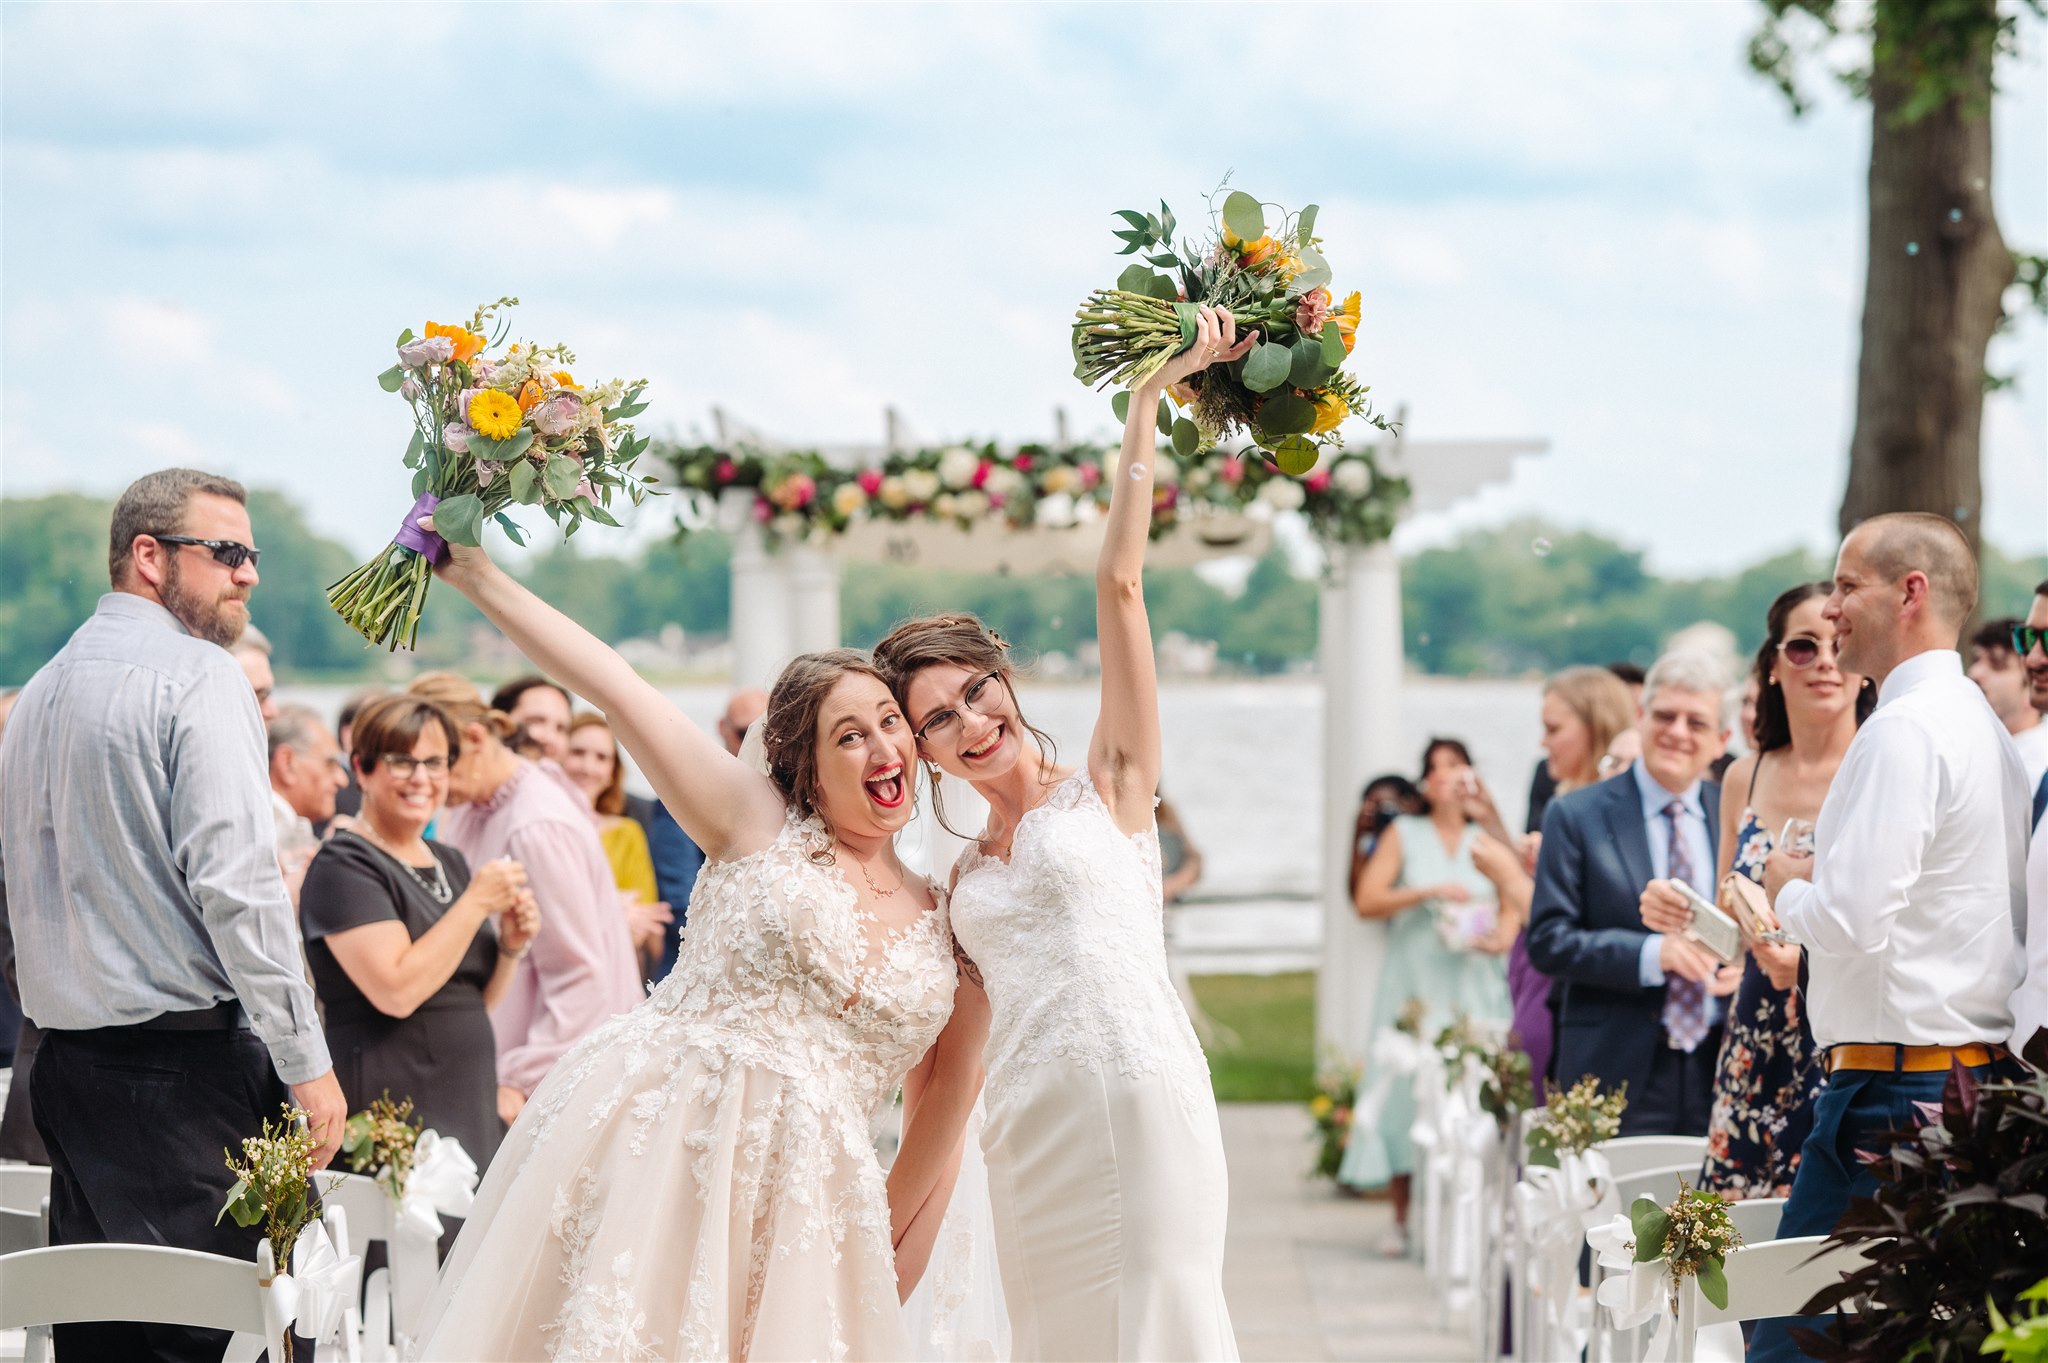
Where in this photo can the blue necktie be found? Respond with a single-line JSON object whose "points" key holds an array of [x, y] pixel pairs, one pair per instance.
{"points": [[1685, 1001]]}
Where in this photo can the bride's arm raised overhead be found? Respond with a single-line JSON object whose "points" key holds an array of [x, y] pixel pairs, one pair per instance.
{"points": [[1123, 756], [727, 808]]}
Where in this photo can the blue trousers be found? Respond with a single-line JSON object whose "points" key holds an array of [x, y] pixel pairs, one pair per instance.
{"points": [[1854, 1108]]}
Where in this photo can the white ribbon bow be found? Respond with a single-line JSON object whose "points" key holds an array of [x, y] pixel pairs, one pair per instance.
{"points": [[442, 1183], [1638, 1292], [1556, 1208], [1395, 1055], [320, 1287]]}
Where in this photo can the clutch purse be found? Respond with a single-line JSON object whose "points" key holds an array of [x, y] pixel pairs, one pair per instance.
{"points": [[1712, 929], [1744, 900]]}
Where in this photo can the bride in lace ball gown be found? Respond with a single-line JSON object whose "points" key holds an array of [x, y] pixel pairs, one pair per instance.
{"points": [[696, 1178], [1105, 1161]]}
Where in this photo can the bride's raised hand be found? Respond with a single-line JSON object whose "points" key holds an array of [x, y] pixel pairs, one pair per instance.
{"points": [[462, 563], [1216, 342]]}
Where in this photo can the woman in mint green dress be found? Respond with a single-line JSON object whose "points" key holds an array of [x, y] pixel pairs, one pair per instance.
{"points": [[1453, 895]]}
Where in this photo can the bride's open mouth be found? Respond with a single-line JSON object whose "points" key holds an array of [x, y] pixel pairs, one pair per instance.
{"points": [[986, 748], [886, 786]]}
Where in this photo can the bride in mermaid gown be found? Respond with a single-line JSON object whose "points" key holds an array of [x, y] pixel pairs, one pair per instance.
{"points": [[696, 1178], [1104, 1159]]}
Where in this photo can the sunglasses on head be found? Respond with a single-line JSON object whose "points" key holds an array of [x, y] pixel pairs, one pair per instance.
{"points": [[1803, 650], [2024, 639], [227, 553]]}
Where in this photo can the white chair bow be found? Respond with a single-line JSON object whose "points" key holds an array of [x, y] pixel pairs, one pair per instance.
{"points": [[442, 1183], [1555, 1210], [1637, 1293], [320, 1287]]}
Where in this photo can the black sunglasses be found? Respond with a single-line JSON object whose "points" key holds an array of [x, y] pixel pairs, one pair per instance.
{"points": [[2024, 639], [229, 554]]}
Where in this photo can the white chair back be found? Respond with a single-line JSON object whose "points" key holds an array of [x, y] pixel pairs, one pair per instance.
{"points": [[24, 1186], [1628, 1154], [22, 1230], [394, 1298], [69, 1284], [1756, 1219], [1775, 1278]]}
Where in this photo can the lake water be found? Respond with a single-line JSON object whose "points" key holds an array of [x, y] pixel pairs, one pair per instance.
{"points": [[1244, 759]]}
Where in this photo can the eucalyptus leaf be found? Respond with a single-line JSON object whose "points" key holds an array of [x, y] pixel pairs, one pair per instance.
{"points": [[1121, 405], [459, 520], [511, 529], [563, 474], [1542, 1156], [1305, 224], [1333, 344], [1651, 1226], [1308, 369], [404, 336], [1162, 287], [391, 378], [1187, 437], [1133, 242], [596, 512], [1295, 455], [1166, 219], [419, 482], [1136, 278], [1165, 261], [415, 449], [1244, 216], [490, 451], [625, 411], [1314, 275], [525, 480], [1133, 217], [1285, 414], [1714, 1283], [1165, 414], [1267, 367], [520, 443]]}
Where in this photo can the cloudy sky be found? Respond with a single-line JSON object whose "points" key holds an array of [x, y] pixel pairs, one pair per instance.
{"points": [[1586, 223]]}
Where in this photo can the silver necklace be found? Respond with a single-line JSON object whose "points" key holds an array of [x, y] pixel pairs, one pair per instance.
{"points": [[440, 890]]}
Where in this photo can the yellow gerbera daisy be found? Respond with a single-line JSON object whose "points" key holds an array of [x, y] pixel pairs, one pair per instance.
{"points": [[494, 414]]}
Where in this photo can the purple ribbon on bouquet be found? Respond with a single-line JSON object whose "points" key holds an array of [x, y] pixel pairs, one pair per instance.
{"points": [[424, 542]]}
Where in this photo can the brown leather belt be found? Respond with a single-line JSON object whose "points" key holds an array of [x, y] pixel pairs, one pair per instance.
{"points": [[1911, 1059]]}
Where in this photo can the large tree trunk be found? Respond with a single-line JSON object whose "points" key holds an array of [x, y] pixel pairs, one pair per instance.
{"points": [[1931, 298]]}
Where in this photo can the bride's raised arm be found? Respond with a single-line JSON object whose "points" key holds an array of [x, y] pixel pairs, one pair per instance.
{"points": [[725, 807], [1123, 756]]}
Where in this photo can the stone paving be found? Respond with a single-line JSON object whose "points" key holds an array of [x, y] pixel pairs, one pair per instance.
{"points": [[1300, 1271]]}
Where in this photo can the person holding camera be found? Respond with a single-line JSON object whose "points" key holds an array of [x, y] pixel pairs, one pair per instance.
{"points": [[1454, 896]]}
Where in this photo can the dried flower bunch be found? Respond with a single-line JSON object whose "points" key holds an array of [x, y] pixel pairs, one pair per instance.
{"points": [[272, 1184], [1409, 1020], [1692, 1236], [1575, 1121], [382, 1138]]}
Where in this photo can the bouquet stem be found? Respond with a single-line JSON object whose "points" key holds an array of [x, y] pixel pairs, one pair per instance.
{"points": [[383, 599]]}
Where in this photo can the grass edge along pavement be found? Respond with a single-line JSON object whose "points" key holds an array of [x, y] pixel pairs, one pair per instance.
{"points": [[1263, 1046]]}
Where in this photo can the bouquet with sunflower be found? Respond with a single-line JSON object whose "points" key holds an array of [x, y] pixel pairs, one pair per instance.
{"points": [[489, 432], [1290, 392]]}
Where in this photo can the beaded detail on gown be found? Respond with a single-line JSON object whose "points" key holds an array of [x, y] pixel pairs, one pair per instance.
{"points": [[696, 1178], [1769, 1072]]}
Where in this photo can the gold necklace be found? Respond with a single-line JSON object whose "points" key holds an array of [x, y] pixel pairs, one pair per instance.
{"points": [[880, 893]]}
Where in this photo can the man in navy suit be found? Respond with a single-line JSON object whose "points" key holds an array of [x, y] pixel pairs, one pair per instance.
{"points": [[1640, 1008]]}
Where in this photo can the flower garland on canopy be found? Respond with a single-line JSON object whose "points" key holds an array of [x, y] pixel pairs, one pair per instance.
{"points": [[1349, 498]]}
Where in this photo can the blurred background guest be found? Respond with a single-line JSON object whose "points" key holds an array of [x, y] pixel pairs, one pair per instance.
{"points": [[1585, 710], [1745, 713], [2001, 674], [18, 1036], [1384, 799], [395, 930], [741, 711], [539, 709], [251, 652], [1179, 859], [348, 799], [1640, 1008], [582, 968], [1769, 1071], [1456, 896], [592, 761], [306, 771]]}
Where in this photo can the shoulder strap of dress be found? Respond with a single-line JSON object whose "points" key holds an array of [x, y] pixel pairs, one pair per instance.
{"points": [[1749, 797]]}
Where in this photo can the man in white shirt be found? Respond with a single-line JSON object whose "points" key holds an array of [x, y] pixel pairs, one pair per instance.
{"points": [[1910, 908], [2001, 674], [307, 770], [2030, 1000]]}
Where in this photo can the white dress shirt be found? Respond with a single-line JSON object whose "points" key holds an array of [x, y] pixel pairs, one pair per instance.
{"points": [[1911, 921], [2030, 1000]]}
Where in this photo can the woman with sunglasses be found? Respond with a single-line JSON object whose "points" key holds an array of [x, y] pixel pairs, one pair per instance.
{"points": [[1769, 1070], [1105, 1161], [395, 926]]}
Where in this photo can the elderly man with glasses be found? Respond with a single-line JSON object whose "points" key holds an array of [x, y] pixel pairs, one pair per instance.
{"points": [[307, 771], [155, 943]]}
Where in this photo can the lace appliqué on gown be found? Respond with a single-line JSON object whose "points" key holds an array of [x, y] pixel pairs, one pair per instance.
{"points": [[1070, 936], [695, 1179]]}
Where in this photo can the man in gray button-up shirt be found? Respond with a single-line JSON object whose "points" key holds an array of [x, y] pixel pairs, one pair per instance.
{"points": [[154, 942]]}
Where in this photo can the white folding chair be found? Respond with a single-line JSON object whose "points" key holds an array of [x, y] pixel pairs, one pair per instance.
{"points": [[394, 1297], [71, 1284], [23, 1187], [1630, 1154], [1774, 1278], [1756, 1220], [1605, 1344], [22, 1230]]}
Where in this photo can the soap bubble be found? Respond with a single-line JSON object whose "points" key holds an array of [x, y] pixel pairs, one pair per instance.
{"points": [[1912, 248], [1422, 638], [1955, 215], [1540, 547], [1137, 472]]}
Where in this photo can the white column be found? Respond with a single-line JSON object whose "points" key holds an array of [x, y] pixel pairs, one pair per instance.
{"points": [[761, 641], [813, 577], [1361, 652]]}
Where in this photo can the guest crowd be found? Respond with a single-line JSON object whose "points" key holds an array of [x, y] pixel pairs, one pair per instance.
{"points": [[440, 896]]}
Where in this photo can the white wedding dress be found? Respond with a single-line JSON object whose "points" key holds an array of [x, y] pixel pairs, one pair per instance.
{"points": [[1105, 1160], [695, 1180]]}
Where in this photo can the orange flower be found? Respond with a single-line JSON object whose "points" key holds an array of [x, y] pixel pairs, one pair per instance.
{"points": [[1347, 320], [1253, 253], [561, 376], [468, 345], [529, 394]]}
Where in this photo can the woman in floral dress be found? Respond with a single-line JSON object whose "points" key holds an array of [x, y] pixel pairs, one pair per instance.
{"points": [[1770, 1071]]}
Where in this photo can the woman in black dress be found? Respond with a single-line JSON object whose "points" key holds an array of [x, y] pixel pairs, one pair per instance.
{"points": [[394, 928]]}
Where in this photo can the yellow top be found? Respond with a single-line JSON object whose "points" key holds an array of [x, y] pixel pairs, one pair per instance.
{"points": [[625, 847]]}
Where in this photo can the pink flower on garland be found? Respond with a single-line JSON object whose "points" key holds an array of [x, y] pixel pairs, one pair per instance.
{"points": [[1022, 463], [981, 473], [1319, 481], [870, 481], [726, 471], [1091, 474]]}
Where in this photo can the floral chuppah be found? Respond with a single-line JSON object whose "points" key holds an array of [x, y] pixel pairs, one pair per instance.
{"points": [[1350, 497]]}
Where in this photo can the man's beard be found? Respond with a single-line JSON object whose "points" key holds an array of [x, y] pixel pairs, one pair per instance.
{"points": [[218, 621]]}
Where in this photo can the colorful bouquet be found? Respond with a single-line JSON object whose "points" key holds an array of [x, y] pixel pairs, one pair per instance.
{"points": [[489, 432], [1331, 1108], [1290, 392]]}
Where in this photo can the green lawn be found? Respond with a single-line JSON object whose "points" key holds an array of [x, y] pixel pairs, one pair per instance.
{"points": [[1271, 1056]]}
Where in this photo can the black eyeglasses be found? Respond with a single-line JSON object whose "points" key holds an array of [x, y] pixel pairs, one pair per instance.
{"points": [[2024, 639], [941, 724], [403, 765], [229, 554]]}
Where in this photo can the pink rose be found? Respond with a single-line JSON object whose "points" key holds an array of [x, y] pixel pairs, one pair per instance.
{"points": [[558, 415], [764, 510], [1233, 471], [1022, 463], [462, 402], [981, 473], [726, 470], [456, 438], [487, 472], [870, 481], [410, 390], [1091, 474], [1317, 481], [425, 351]]}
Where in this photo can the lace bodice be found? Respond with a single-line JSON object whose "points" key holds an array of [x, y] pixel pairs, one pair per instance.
{"points": [[1069, 935]]}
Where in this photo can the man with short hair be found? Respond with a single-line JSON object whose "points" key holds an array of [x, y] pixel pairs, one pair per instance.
{"points": [[541, 710], [1909, 907], [742, 712], [2030, 1000], [306, 771], [1640, 1008], [251, 652], [156, 947], [2001, 675]]}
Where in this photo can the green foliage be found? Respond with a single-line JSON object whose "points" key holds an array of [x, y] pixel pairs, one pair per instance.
{"points": [[2024, 1337], [1263, 1050], [1940, 49]]}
